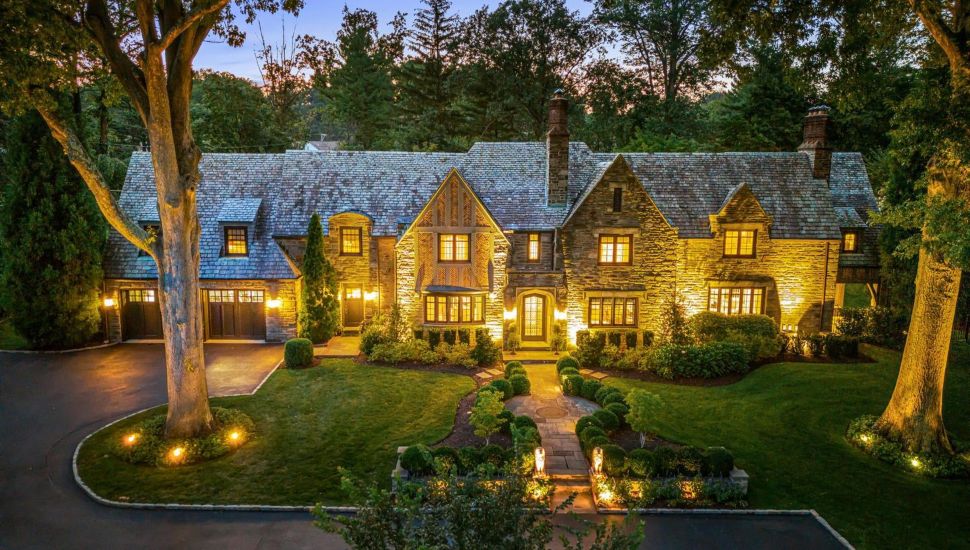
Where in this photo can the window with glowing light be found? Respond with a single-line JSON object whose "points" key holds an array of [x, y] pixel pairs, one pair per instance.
{"points": [[736, 300], [616, 249], [237, 243], [739, 243], [850, 241], [454, 308], [251, 296], [534, 247], [612, 312], [453, 247], [350, 241], [141, 295]]}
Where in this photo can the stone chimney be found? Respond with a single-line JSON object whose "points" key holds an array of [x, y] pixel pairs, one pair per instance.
{"points": [[815, 143], [557, 151]]}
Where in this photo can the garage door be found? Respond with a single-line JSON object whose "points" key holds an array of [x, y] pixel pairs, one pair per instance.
{"points": [[140, 315], [236, 314]]}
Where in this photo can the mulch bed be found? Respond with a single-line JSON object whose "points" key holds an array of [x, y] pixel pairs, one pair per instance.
{"points": [[463, 433]]}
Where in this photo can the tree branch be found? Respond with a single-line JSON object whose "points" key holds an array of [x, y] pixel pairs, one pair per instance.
{"points": [[941, 33], [86, 167], [186, 22], [98, 23]]}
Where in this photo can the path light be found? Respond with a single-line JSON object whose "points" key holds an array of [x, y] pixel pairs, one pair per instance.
{"points": [[605, 495], [597, 461], [234, 436], [540, 462], [864, 438], [176, 455], [274, 303], [131, 439], [915, 463]]}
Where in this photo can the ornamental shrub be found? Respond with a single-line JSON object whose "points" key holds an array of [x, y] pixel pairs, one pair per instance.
{"points": [[434, 337], [601, 393], [841, 347], [665, 461], [559, 340], [640, 463], [710, 326], [458, 354], [503, 386], [469, 458], [464, 336], [445, 459], [371, 335], [721, 491], [619, 409], [589, 349], [417, 460], [512, 365], [607, 419], [648, 338], [493, 454], [517, 370], [689, 461], [612, 397], [520, 384], [852, 321], [523, 421], [565, 362], [591, 432], [298, 353], [699, 361], [816, 344], [485, 352], [417, 351], [587, 421], [614, 338], [614, 460], [568, 371], [319, 314], [631, 339], [609, 357], [590, 387], [597, 441], [450, 336], [631, 358], [573, 384], [717, 461], [508, 418]]}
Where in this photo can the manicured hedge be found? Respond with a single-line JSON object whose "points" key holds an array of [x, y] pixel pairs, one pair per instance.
{"points": [[590, 387], [699, 361], [619, 409], [841, 347], [607, 419], [298, 353], [573, 384], [568, 371]]}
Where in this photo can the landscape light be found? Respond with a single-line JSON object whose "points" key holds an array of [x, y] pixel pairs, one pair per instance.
{"points": [[606, 495], [130, 439], [176, 454], [915, 462], [234, 435]]}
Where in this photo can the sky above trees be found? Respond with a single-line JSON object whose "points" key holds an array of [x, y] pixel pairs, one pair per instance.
{"points": [[320, 18]]}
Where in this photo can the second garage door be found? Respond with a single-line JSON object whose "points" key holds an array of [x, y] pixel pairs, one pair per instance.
{"points": [[236, 314]]}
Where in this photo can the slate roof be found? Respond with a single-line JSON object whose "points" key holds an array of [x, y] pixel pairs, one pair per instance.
{"points": [[278, 193], [850, 189]]}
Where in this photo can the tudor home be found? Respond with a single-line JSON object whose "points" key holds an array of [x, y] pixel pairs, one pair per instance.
{"points": [[519, 235]]}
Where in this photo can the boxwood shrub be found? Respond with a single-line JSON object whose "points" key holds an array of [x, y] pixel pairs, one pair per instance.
{"points": [[601, 393], [591, 432], [597, 441], [665, 461], [640, 463], [509, 417], [619, 409], [445, 459], [503, 386], [512, 365], [590, 387], [573, 384], [417, 460], [520, 384], [586, 421], [689, 461], [568, 371], [614, 460], [566, 361], [609, 420], [524, 421], [298, 353], [612, 397], [717, 461], [841, 347]]}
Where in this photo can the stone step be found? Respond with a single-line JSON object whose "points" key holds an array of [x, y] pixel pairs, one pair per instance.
{"points": [[568, 476]]}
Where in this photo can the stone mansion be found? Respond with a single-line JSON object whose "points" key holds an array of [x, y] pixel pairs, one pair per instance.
{"points": [[530, 232]]}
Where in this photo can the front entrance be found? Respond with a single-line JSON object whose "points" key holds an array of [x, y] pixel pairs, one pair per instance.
{"points": [[353, 302], [534, 318], [141, 317], [236, 314]]}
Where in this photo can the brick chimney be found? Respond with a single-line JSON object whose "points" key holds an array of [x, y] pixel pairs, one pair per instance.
{"points": [[557, 151], [815, 143]]}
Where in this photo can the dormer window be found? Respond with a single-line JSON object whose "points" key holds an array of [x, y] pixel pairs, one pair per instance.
{"points": [[850, 242], [237, 242], [740, 243], [453, 248], [350, 241], [617, 199]]}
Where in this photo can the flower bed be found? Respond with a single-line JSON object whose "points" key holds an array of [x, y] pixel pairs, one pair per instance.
{"points": [[862, 435], [145, 443]]}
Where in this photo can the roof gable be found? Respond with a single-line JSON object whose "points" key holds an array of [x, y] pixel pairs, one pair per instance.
{"points": [[454, 177], [618, 163], [740, 205]]}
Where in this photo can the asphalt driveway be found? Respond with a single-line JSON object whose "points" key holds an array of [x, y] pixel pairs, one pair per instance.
{"points": [[48, 403]]}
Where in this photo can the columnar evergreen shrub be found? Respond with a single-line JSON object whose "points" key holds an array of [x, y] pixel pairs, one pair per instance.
{"points": [[319, 309], [450, 337], [434, 337], [51, 238], [485, 352], [298, 353], [631, 339], [674, 327]]}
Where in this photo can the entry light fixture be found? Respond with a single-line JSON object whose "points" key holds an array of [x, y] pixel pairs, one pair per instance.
{"points": [[371, 296], [274, 303], [109, 302]]}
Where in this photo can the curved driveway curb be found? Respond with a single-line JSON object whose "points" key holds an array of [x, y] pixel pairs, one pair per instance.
{"points": [[57, 351]]}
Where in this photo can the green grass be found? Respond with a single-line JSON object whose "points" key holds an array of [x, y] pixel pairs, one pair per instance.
{"points": [[309, 423], [785, 425], [857, 295], [9, 339]]}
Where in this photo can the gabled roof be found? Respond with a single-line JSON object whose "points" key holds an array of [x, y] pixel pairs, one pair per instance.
{"points": [[848, 217], [851, 191], [602, 167], [239, 209], [454, 175]]}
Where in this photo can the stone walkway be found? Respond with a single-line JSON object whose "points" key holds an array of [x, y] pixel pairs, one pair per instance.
{"points": [[556, 415]]}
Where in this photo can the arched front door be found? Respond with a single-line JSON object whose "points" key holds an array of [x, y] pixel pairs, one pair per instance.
{"points": [[534, 318]]}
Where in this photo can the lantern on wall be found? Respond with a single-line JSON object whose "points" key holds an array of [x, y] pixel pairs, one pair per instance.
{"points": [[109, 302], [274, 303]]}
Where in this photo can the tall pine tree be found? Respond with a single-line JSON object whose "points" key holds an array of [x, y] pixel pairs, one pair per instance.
{"points": [[51, 239], [319, 310]]}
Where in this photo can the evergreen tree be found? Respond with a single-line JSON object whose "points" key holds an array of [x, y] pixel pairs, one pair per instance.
{"points": [[426, 92], [319, 310], [51, 239]]}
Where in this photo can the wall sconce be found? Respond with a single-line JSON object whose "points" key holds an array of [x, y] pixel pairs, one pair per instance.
{"points": [[540, 462], [559, 315], [509, 315], [597, 461], [274, 303], [371, 296], [109, 302]]}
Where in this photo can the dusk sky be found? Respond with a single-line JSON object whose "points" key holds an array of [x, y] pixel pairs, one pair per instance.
{"points": [[320, 18]]}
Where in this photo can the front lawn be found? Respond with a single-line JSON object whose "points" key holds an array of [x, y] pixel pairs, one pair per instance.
{"points": [[309, 423], [785, 424]]}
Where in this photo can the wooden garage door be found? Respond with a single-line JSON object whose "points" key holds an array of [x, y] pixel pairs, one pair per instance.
{"points": [[236, 314], [140, 315]]}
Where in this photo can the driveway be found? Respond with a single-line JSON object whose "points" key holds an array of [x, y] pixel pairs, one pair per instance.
{"points": [[48, 403]]}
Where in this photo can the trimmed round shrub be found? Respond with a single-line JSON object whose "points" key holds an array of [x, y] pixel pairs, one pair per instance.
{"points": [[640, 463], [587, 421], [298, 353], [619, 409], [609, 420], [614, 460], [509, 417], [445, 459], [517, 370], [717, 461], [573, 385], [512, 365], [597, 441], [417, 460], [590, 387], [603, 391], [525, 422], [612, 397], [493, 454], [503, 386], [520, 384], [568, 371], [689, 461], [566, 361], [590, 432], [665, 461]]}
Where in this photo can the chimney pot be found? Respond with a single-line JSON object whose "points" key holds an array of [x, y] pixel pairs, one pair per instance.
{"points": [[815, 141]]}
